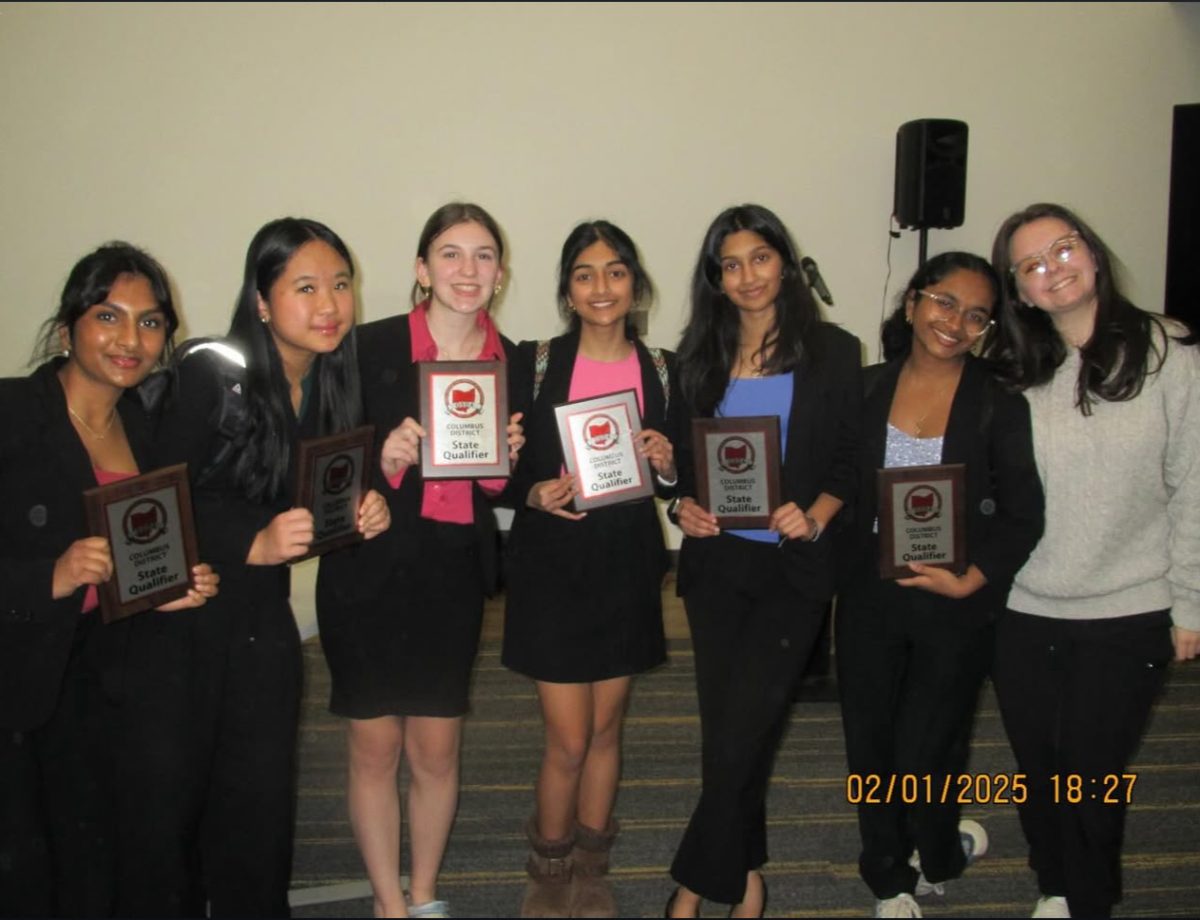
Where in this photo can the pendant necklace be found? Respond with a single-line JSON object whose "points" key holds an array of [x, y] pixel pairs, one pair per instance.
{"points": [[112, 417]]}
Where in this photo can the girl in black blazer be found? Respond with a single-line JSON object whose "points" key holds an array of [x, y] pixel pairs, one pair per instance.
{"points": [[400, 617], [74, 424], [219, 743], [912, 653], [755, 600], [584, 605]]}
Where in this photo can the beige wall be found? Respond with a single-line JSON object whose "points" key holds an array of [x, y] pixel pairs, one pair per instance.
{"points": [[184, 127]]}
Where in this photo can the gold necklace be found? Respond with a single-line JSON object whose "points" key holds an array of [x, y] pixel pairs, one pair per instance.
{"points": [[754, 369], [112, 417], [932, 402]]}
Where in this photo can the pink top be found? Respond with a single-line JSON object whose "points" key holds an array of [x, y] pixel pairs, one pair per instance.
{"points": [[449, 500], [91, 600], [598, 378]]}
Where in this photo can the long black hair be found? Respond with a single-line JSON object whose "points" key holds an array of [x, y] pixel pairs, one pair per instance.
{"points": [[261, 466], [1028, 349], [90, 282], [579, 239], [709, 346], [896, 333]]}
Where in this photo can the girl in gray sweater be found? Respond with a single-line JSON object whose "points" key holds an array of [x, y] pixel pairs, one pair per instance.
{"points": [[1112, 591]]}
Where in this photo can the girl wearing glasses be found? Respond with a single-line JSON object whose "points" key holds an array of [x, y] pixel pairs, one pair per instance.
{"points": [[912, 653], [1112, 592], [755, 599]]}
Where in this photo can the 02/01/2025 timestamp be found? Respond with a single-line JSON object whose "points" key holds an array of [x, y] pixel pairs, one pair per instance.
{"points": [[1109, 789]]}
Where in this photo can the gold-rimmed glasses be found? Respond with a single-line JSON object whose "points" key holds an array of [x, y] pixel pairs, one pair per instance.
{"points": [[974, 321], [1060, 251]]}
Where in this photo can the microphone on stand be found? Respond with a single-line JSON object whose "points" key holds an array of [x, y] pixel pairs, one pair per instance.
{"points": [[812, 275]]}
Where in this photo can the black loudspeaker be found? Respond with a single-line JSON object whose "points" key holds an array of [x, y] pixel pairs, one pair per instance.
{"points": [[1183, 234], [931, 173]]}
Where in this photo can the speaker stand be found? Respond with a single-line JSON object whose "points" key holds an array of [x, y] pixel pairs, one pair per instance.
{"points": [[922, 247]]}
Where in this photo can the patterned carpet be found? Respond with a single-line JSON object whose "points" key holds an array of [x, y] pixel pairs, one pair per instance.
{"points": [[813, 836]]}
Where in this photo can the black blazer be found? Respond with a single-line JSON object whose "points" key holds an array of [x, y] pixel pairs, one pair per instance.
{"points": [[989, 431], [390, 393], [542, 457], [44, 469], [822, 444]]}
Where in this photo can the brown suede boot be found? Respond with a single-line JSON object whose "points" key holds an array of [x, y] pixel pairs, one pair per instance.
{"points": [[548, 892], [591, 895]]}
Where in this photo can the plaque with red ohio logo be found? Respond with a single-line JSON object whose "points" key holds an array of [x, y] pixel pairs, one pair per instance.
{"points": [[737, 468], [464, 411], [148, 523], [334, 475], [922, 518], [599, 450]]}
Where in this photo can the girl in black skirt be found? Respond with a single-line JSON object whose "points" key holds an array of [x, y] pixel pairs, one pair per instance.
{"points": [[584, 610], [400, 617]]}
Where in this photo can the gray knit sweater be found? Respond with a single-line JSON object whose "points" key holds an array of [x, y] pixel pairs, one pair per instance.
{"points": [[1122, 497]]}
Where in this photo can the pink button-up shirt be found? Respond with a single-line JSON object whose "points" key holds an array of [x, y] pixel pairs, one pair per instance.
{"points": [[449, 500]]}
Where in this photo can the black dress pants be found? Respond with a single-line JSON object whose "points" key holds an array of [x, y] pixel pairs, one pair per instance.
{"points": [[752, 633], [208, 717], [1075, 696], [909, 679], [56, 823]]}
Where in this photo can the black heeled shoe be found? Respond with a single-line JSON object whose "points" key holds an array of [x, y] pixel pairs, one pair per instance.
{"points": [[763, 910], [671, 904]]}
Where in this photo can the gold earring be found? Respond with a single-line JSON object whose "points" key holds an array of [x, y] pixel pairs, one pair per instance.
{"points": [[499, 288]]}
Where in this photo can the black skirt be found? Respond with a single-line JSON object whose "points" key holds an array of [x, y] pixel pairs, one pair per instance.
{"points": [[409, 649], [584, 598]]}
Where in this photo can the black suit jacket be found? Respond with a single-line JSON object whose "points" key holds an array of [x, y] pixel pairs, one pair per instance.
{"points": [[542, 456], [822, 443], [44, 470], [988, 431], [390, 394]]}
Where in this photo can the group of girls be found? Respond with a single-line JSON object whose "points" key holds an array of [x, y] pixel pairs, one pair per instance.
{"points": [[148, 766]]}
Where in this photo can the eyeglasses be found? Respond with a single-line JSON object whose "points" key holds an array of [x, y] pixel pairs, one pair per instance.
{"points": [[1060, 251], [975, 321]]}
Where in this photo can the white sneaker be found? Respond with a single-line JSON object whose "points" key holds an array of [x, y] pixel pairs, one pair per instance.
{"points": [[1052, 906], [974, 840], [429, 909], [902, 905]]}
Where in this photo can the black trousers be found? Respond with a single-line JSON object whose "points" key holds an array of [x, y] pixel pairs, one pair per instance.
{"points": [[56, 822], [207, 722], [909, 680], [752, 633], [1075, 696]]}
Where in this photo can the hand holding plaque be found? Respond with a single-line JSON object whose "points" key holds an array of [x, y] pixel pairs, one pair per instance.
{"points": [[600, 451], [922, 518], [464, 411], [737, 469], [147, 521], [334, 474]]}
